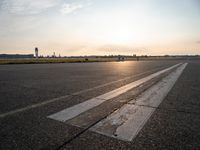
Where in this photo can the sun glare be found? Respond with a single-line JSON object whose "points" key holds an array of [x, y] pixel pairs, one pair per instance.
{"points": [[118, 31]]}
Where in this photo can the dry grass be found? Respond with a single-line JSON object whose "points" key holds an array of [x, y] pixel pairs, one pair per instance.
{"points": [[53, 60]]}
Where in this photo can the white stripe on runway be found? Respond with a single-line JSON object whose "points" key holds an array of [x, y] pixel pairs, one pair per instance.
{"points": [[126, 122], [76, 110]]}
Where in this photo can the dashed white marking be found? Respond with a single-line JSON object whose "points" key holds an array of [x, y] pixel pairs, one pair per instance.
{"points": [[76, 110], [126, 122]]}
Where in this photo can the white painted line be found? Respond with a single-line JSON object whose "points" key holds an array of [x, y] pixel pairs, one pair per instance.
{"points": [[150, 97], [126, 122], [71, 112], [12, 112], [76, 110]]}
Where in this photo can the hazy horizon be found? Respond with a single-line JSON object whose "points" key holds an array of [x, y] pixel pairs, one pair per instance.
{"points": [[96, 27]]}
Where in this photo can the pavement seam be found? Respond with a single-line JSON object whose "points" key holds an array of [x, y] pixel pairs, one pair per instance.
{"points": [[104, 117], [80, 133], [171, 109]]}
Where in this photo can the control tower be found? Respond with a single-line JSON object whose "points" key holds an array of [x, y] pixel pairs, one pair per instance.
{"points": [[36, 52]]}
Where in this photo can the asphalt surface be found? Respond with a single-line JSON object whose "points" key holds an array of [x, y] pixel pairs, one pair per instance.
{"points": [[174, 125]]}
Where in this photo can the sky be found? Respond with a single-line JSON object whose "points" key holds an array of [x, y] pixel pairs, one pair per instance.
{"points": [[100, 27]]}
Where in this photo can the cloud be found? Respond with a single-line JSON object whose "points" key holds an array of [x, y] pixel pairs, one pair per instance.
{"points": [[198, 42], [27, 7], [70, 8]]}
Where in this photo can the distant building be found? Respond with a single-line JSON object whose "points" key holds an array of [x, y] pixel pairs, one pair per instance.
{"points": [[13, 56], [54, 55]]}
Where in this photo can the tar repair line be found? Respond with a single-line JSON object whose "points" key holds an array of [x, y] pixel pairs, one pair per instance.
{"points": [[126, 122], [76, 110], [76, 93]]}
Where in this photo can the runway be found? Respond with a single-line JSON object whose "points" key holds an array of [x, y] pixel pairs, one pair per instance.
{"points": [[108, 105]]}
